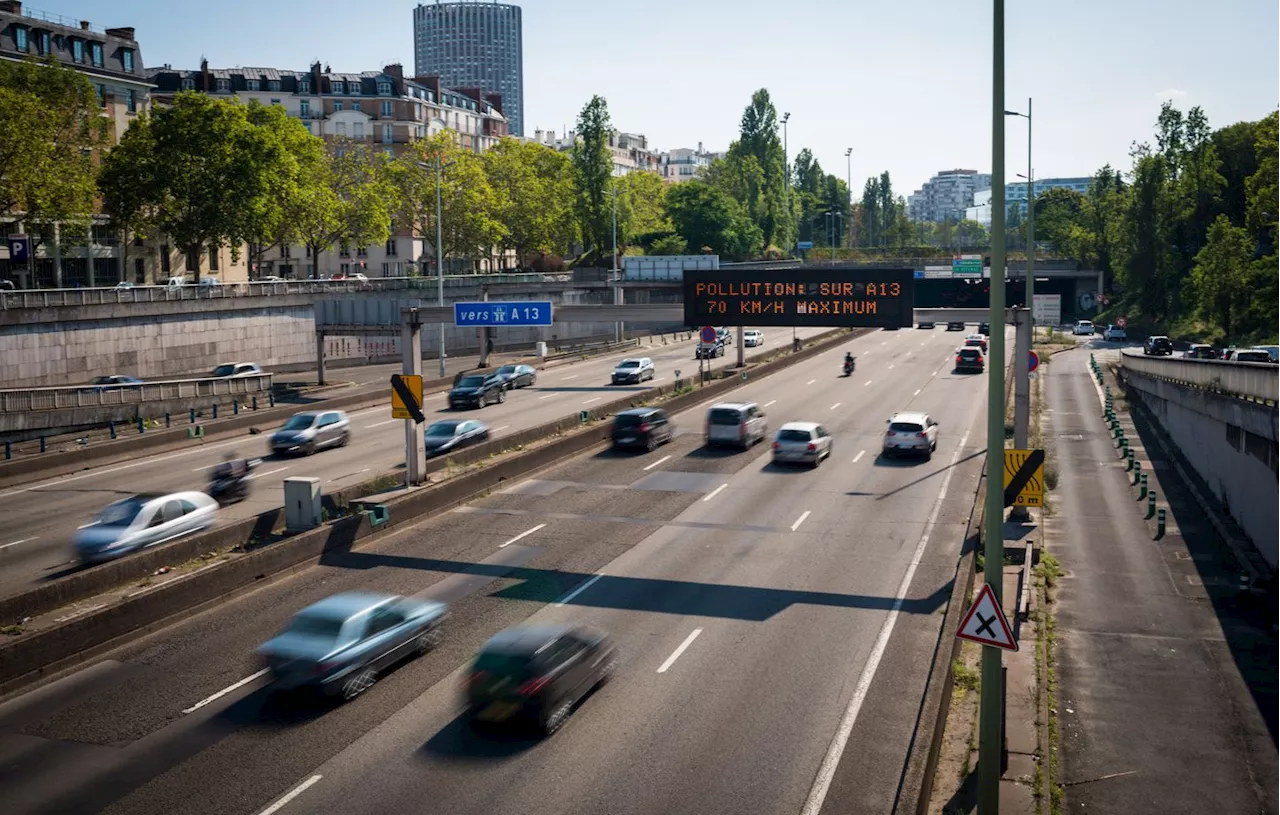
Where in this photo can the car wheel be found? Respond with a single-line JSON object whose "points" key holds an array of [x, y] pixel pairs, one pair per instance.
{"points": [[428, 640], [502, 397], [650, 444], [358, 683], [346, 439], [533, 380], [606, 673], [555, 720], [309, 449]]}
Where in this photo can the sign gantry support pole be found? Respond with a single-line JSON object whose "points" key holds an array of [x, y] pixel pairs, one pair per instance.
{"points": [[415, 444], [1023, 326]]}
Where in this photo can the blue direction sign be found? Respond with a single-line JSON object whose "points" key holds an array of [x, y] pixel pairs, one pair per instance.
{"points": [[19, 247], [804, 245], [493, 314]]}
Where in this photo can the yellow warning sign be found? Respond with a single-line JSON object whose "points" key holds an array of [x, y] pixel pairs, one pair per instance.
{"points": [[406, 397], [1024, 478]]}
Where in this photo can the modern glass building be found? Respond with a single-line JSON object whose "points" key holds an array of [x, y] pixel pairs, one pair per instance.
{"points": [[473, 44]]}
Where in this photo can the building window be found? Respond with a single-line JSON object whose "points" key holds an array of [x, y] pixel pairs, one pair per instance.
{"points": [[304, 86], [275, 101], [340, 128], [362, 251], [304, 108], [339, 87], [137, 240], [188, 84], [387, 107], [77, 50], [102, 93], [132, 101], [20, 37], [126, 59], [391, 249], [355, 105], [44, 42], [224, 85], [357, 130], [193, 261], [345, 268], [251, 84], [213, 258], [386, 270], [286, 253], [273, 84], [340, 152], [164, 258], [139, 271], [344, 251], [387, 134], [384, 88], [337, 106], [95, 53]]}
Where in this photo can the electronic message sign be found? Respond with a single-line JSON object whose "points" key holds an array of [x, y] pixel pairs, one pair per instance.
{"points": [[829, 297]]}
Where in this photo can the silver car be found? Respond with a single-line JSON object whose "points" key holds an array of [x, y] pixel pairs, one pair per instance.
{"points": [[143, 520], [738, 423], [448, 435], [311, 431], [235, 370], [912, 433], [801, 443], [340, 644]]}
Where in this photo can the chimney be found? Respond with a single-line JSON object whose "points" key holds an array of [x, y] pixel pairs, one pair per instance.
{"points": [[699, 148], [494, 99], [123, 33], [84, 25], [11, 6], [474, 93], [394, 69], [432, 83]]}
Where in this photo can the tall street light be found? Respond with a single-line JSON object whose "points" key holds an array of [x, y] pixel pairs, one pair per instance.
{"points": [[1021, 362], [786, 178], [1031, 209], [848, 157], [439, 168]]}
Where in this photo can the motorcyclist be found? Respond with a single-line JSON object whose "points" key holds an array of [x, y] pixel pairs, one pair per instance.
{"points": [[232, 468], [848, 360]]}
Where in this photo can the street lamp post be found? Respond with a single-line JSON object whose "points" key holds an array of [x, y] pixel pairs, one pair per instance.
{"points": [[1025, 334], [613, 266], [440, 260], [848, 157], [786, 176]]}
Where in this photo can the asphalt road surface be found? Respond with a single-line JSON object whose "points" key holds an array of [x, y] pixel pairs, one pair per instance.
{"points": [[41, 517], [775, 627]]}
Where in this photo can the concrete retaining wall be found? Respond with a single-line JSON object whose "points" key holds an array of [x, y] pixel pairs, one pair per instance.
{"points": [[1230, 443]]}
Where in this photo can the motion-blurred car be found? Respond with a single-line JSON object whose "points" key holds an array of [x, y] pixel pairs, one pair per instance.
{"points": [[1083, 328], [1272, 351], [970, 359], [1114, 333], [955, 325], [1201, 351], [340, 644], [801, 443], [124, 284], [926, 324], [311, 431], [724, 336], [741, 424], [984, 329], [476, 391], [113, 381], [516, 376], [448, 435], [1252, 355], [537, 674], [642, 427], [976, 341], [143, 520], [1158, 347], [633, 371], [234, 370], [752, 338], [911, 433], [708, 350]]}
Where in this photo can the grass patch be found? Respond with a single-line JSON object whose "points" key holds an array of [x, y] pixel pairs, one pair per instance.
{"points": [[11, 630], [965, 677], [1049, 570]]}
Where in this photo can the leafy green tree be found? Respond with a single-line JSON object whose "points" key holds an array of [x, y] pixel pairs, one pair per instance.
{"points": [[272, 224], [972, 233], [1221, 273], [1146, 238], [641, 206], [765, 200], [1058, 211], [707, 218], [1260, 190], [592, 170], [872, 218], [533, 197], [1234, 146], [197, 171], [669, 245], [346, 198]]}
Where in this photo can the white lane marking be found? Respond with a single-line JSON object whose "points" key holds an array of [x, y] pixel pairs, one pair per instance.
{"points": [[770, 402], [15, 543], [289, 796], [885, 342], [714, 492], [861, 453], [659, 379], [917, 393], [935, 373], [650, 467], [868, 382], [822, 783], [380, 424], [890, 365], [496, 429], [268, 472], [593, 399], [79, 613], [215, 697], [567, 378], [548, 396], [799, 520], [811, 381], [679, 650], [836, 405], [523, 534], [578, 590]]}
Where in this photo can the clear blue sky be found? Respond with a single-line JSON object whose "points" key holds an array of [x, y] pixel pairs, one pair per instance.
{"points": [[906, 85]]}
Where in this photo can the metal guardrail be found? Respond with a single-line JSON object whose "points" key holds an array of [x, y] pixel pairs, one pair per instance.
{"points": [[1258, 381], [32, 399]]}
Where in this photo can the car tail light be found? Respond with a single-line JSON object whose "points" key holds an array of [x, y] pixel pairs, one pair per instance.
{"points": [[533, 686], [476, 678], [922, 435], [811, 447], [644, 427], [959, 359]]}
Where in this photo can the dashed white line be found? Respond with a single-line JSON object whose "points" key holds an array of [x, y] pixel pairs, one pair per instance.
{"points": [[861, 453], [935, 373], [567, 378], [917, 393], [679, 650], [504, 427], [593, 399], [58, 482], [799, 520], [656, 463], [885, 342], [215, 697], [714, 492], [15, 543], [548, 396], [836, 405], [523, 534], [268, 472], [868, 382], [770, 402], [827, 770], [891, 365], [811, 381], [289, 796], [380, 424], [79, 613], [578, 590]]}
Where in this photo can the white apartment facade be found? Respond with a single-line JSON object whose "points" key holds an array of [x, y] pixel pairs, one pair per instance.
{"points": [[946, 196]]}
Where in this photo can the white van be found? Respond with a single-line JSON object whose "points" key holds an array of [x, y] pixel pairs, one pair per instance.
{"points": [[176, 282], [738, 423]]}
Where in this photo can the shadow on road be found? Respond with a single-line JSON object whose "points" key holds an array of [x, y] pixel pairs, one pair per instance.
{"points": [[463, 740]]}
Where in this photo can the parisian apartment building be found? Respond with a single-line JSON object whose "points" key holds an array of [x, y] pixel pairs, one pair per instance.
{"points": [[947, 195], [630, 151], [684, 163]]}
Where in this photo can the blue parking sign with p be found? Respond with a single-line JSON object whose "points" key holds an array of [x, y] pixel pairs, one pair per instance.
{"points": [[19, 247]]}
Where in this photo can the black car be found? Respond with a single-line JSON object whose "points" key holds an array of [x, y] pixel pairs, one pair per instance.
{"points": [[537, 674], [925, 324], [476, 391], [984, 329], [955, 325], [448, 435], [516, 376], [970, 359], [1158, 347], [642, 427]]}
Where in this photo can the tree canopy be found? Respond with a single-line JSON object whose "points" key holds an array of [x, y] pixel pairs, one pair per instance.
{"points": [[592, 170]]}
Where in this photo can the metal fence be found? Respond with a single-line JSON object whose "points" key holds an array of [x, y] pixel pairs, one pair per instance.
{"points": [[1248, 380], [88, 396]]}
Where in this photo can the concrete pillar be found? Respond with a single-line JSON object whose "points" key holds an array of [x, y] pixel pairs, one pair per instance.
{"points": [[57, 255], [320, 357], [414, 441]]}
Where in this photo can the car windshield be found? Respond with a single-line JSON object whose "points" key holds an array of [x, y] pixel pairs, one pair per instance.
{"points": [[629, 363], [471, 382], [300, 421], [725, 416], [224, 370], [793, 435], [507, 369], [628, 420], [969, 353], [121, 513], [906, 427], [443, 428], [315, 625], [101, 380], [516, 666]]}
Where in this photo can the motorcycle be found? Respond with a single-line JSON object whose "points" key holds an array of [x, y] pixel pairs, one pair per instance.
{"points": [[226, 488], [849, 365]]}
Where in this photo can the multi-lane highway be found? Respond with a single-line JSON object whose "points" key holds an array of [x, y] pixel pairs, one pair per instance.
{"points": [[41, 517], [775, 628]]}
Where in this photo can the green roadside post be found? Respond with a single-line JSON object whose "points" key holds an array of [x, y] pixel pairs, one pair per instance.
{"points": [[1143, 493], [991, 704], [1159, 523], [1151, 504], [1137, 468]]}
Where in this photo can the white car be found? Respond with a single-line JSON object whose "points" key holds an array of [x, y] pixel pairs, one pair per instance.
{"points": [[234, 370], [141, 521], [737, 423], [124, 284], [753, 338], [911, 433], [801, 442], [1083, 328], [1114, 333]]}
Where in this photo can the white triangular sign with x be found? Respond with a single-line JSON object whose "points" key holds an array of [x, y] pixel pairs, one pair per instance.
{"points": [[985, 623]]}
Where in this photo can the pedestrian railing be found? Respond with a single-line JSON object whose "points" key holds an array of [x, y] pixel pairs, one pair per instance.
{"points": [[1248, 380], [88, 396]]}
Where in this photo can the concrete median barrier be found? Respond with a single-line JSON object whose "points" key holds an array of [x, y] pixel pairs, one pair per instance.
{"points": [[27, 656]]}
